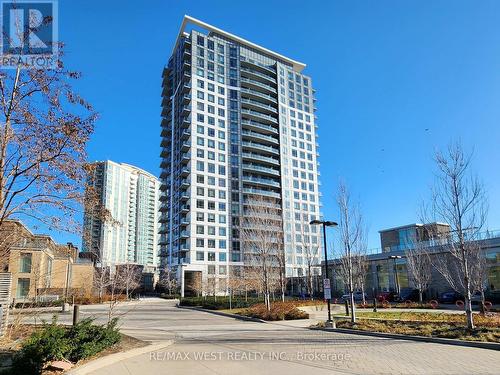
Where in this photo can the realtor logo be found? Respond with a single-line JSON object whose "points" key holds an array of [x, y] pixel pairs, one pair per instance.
{"points": [[29, 34]]}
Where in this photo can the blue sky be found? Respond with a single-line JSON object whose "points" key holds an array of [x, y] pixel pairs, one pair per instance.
{"points": [[395, 80]]}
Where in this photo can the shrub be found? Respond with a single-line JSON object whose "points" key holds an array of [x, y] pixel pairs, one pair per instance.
{"points": [[279, 311], [55, 342], [88, 339], [222, 303], [47, 344], [169, 296]]}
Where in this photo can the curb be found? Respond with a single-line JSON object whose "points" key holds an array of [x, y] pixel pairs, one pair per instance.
{"points": [[436, 340], [111, 359], [228, 315]]}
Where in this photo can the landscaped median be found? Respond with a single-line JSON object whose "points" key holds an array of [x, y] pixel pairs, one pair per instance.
{"points": [[253, 308], [425, 324]]}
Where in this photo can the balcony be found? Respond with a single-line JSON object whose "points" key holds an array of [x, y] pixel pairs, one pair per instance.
{"points": [[184, 234], [185, 157], [185, 135], [261, 181], [186, 87], [186, 98], [255, 104], [257, 136], [257, 94], [184, 196], [185, 172], [184, 208], [267, 193], [258, 76], [184, 221], [259, 86], [260, 169], [263, 159], [185, 146], [165, 151], [260, 147], [254, 125], [186, 110], [186, 122], [185, 183], [257, 65], [260, 116]]}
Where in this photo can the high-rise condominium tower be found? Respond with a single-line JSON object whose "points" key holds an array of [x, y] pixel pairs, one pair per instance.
{"points": [[131, 195], [238, 127]]}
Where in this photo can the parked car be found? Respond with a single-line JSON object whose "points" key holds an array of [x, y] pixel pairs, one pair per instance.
{"points": [[387, 296], [450, 297], [408, 294], [358, 297]]}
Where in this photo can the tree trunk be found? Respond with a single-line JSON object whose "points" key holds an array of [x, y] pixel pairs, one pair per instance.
{"points": [[420, 297]]}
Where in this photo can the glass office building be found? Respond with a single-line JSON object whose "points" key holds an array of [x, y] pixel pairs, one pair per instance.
{"points": [[237, 123], [132, 197]]}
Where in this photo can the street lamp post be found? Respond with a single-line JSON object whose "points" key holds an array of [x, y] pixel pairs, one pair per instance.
{"points": [[394, 257], [326, 224]]}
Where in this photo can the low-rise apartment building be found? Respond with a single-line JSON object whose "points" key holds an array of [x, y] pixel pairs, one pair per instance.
{"points": [[40, 267]]}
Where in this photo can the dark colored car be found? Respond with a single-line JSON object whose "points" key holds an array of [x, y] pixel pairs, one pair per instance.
{"points": [[387, 296], [408, 294], [450, 297]]}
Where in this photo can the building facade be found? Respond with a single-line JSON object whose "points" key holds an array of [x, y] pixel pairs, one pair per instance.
{"points": [[387, 269], [131, 195], [238, 125], [41, 269]]}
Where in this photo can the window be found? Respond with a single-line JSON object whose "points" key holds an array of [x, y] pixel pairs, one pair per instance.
{"points": [[200, 229], [222, 257], [222, 270], [200, 255], [23, 287], [200, 40], [222, 244], [25, 263], [200, 242], [211, 269]]}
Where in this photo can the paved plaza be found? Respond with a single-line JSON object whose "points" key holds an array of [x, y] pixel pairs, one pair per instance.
{"points": [[206, 343]]}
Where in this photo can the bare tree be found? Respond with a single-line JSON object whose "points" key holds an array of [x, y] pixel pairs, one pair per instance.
{"points": [[129, 277], [261, 241], [351, 242], [168, 281], [44, 129], [419, 267], [360, 270], [310, 253], [458, 198]]}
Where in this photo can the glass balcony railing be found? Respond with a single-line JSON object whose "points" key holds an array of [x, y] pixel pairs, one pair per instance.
{"points": [[258, 146], [258, 104], [259, 115], [268, 193], [253, 72], [259, 94], [266, 159], [260, 126], [251, 62], [266, 138], [261, 181], [259, 168], [249, 81]]}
